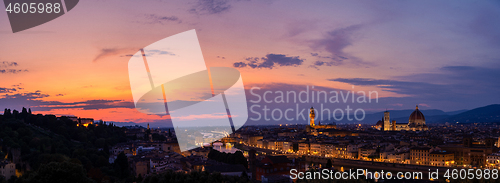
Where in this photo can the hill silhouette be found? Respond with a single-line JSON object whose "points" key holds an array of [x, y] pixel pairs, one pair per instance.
{"points": [[490, 113]]}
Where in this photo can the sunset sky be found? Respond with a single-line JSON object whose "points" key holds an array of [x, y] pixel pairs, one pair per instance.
{"points": [[438, 54]]}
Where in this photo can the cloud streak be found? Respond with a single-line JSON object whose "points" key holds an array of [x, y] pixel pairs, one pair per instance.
{"points": [[9, 70], [109, 52], [35, 101], [270, 61], [7, 90], [210, 7], [12, 71], [410, 88], [453, 85], [157, 19], [8, 64]]}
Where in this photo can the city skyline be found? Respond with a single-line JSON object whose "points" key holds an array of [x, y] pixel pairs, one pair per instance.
{"points": [[435, 54]]}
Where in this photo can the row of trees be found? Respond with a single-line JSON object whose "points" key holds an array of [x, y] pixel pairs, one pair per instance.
{"points": [[229, 158], [199, 177], [7, 113], [38, 140]]}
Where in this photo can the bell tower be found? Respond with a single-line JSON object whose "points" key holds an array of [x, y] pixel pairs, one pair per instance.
{"points": [[311, 116], [387, 121]]}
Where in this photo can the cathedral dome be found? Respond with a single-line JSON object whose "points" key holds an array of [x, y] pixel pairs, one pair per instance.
{"points": [[416, 118]]}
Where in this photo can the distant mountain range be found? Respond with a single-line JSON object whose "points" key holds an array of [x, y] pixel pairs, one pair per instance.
{"points": [[490, 113]]}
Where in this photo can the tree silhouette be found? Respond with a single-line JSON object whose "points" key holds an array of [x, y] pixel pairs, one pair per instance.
{"points": [[179, 177], [24, 113], [139, 178], [229, 158], [15, 113], [42, 139], [63, 172], [328, 163], [7, 114], [121, 165]]}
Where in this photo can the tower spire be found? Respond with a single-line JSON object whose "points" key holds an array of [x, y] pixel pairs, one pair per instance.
{"points": [[312, 116]]}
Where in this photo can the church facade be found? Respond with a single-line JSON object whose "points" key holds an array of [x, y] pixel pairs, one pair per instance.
{"points": [[416, 122]]}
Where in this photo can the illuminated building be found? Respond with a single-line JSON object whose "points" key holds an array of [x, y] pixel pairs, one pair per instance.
{"points": [[303, 148], [442, 158], [493, 159], [470, 153], [7, 169], [420, 155], [85, 122], [416, 122], [312, 127], [315, 148]]}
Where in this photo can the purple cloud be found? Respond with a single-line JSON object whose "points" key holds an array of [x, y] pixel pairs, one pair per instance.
{"points": [[335, 42], [270, 61], [33, 100], [211, 7]]}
